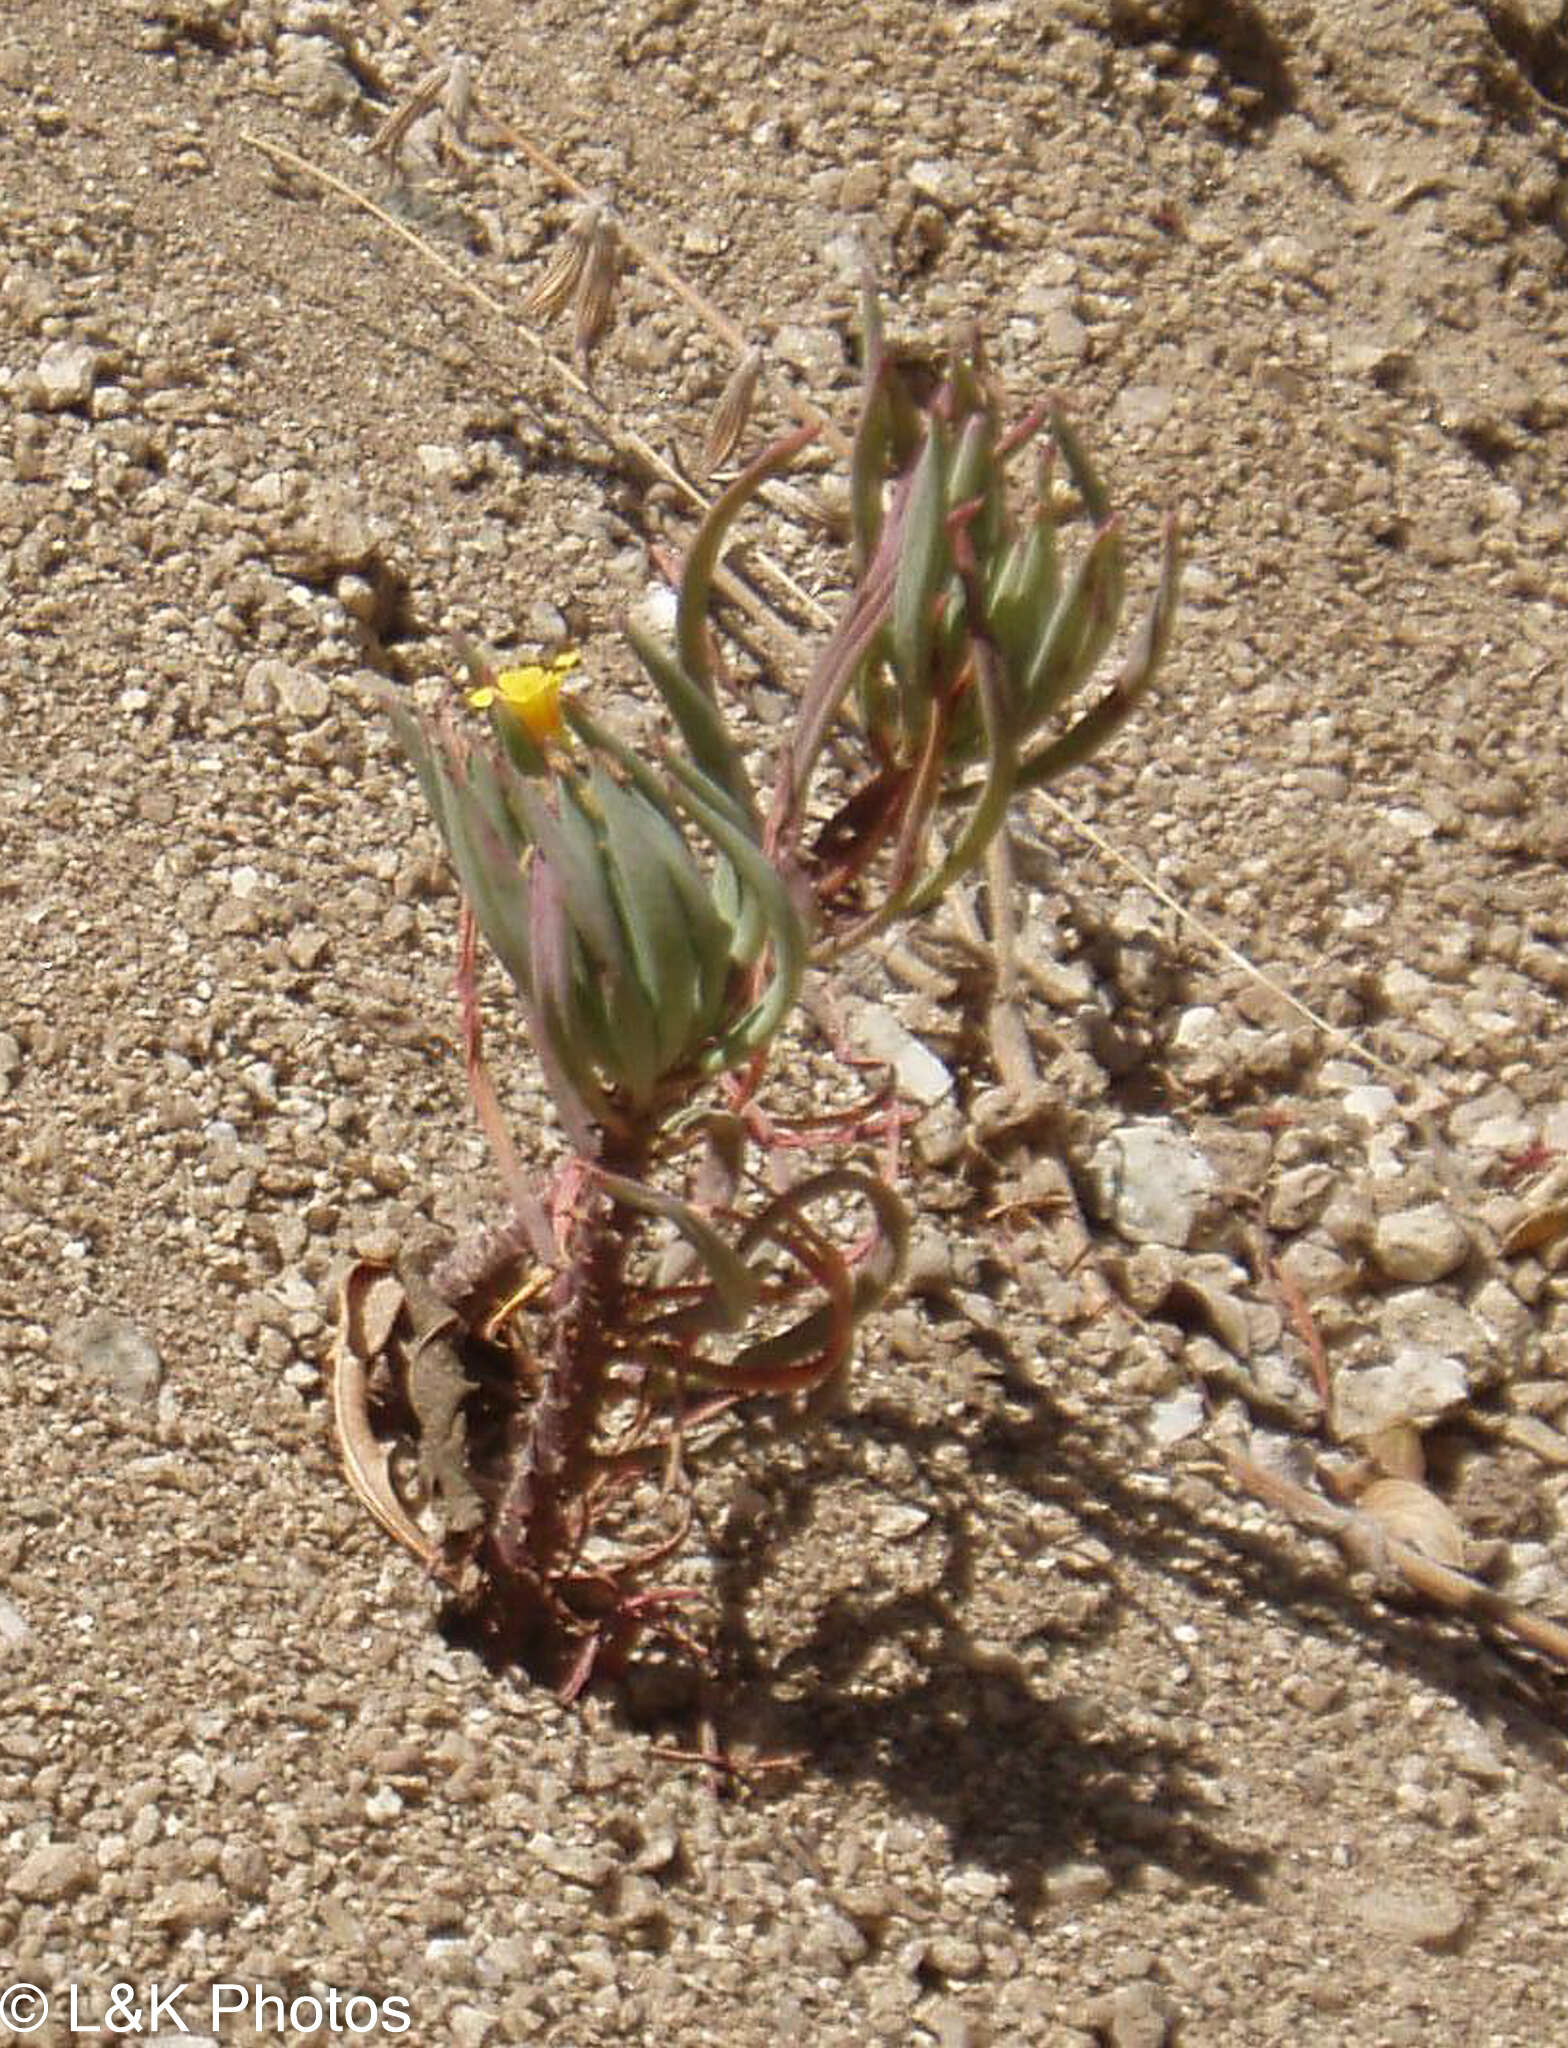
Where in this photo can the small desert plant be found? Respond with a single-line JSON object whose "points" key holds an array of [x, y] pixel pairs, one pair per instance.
{"points": [[655, 917]]}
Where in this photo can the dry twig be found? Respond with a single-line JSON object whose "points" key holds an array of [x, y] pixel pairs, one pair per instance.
{"points": [[1369, 1545]]}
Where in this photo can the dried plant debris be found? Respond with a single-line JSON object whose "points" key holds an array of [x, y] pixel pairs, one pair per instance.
{"points": [[430, 130], [582, 273], [732, 414], [1404, 1533]]}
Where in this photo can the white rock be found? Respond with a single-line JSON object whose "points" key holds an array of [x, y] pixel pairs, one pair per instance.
{"points": [[111, 1348], [1144, 406], [1420, 1245], [944, 181], [304, 696], [67, 371], [656, 613], [1417, 1386], [441, 464], [1502, 1134], [920, 1074], [1411, 822], [1371, 1104], [1197, 1026], [1170, 1422], [1152, 1183]]}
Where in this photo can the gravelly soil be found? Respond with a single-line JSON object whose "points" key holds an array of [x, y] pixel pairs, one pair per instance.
{"points": [[1088, 1746]]}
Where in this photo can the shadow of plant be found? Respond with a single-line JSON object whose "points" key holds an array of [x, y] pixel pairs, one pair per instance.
{"points": [[891, 1688]]}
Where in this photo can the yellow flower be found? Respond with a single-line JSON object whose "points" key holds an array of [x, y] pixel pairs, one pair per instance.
{"points": [[534, 693]]}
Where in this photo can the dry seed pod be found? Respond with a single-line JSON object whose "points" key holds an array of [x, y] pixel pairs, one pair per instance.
{"points": [[553, 293], [733, 411], [436, 112], [1542, 1218], [596, 288], [388, 138], [1414, 1515], [457, 95]]}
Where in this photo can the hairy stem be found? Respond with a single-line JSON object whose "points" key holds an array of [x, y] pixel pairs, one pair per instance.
{"points": [[538, 1524]]}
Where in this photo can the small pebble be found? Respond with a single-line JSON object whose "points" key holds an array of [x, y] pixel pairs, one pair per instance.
{"points": [[111, 1348], [1426, 1916], [1420, 1245], [67, 371]]}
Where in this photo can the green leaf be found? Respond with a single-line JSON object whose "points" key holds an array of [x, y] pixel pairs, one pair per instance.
{"points": [[652, 913], [784, 928], [733, 1281], [1084, 618], [1096, 498], [1091, 732], [691, 613], [990, 813], [923, 566], [700, 722]]}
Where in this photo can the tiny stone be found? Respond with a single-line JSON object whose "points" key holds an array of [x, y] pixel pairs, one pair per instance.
{"points": [[953, 2027], [1133, 2016], [929, 1268], [1313, 1695], [1417, 1319], [1502, 1134], [1152, 1183], [955, 1956], [1475, 1755], [440, 463], [1065, 335], [588, 1867], [306, 945], [899, 1519], [55, 1871], [1170, 1422], [111, 1348], [15, 1634], [1298, 1196], [67, 371], [921, 1075], [1144, 407], [1371, 1104], [940, 1136], [191, 1903], [946, 182], [1078, 1884], [303, 695], [1417, 1386], [469, 2027], [1420, 1245], [358, 597], [1430, 1916], [1495, 1105]]}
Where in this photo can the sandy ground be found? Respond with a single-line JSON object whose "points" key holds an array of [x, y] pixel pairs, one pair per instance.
{"points": [[1088, 1746]]}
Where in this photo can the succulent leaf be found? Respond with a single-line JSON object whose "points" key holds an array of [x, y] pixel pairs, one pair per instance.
{"points": [[691, 615]]}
